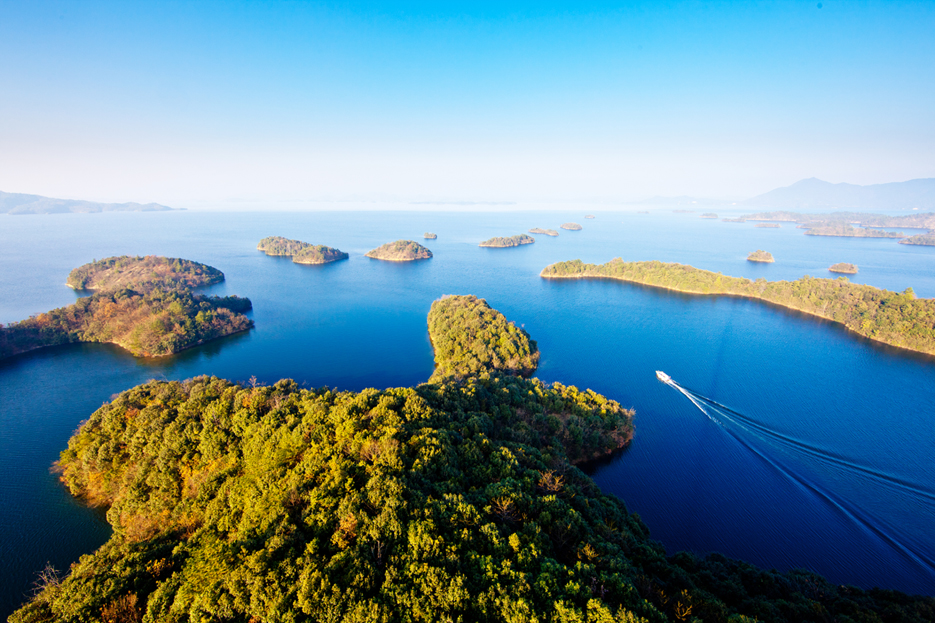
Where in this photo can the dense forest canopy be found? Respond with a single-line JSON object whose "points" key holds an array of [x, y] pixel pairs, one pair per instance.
{"points": [[147, 324], [143, 273], [512, 241], [898, 319], [143, 304], [470, 337], [453, 501], [400, 251], [300, 252]]}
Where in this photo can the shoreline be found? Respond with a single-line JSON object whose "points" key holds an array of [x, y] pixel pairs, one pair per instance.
{"points": [[749, 298]]}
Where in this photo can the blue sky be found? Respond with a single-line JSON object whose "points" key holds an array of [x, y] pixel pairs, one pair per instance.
{"points": [[288, 103]]}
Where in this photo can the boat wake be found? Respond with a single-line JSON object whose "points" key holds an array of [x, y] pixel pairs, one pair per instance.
{"points": [[742, 428]]}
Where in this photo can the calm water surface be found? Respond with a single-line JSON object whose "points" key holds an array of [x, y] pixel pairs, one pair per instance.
{"points": [[699, 484]]}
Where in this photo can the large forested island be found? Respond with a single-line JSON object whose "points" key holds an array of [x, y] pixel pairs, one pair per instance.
{"points": [[456, 500], [400, 251], [846, 230], [151, 271], [142, 304], [898, 319], [512, 241], [300, 252]]}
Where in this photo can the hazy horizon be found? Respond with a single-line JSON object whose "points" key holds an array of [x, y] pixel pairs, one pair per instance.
{"points": [[224, 105]]}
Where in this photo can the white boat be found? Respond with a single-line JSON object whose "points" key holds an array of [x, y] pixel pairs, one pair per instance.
{"points": [[662, 376]]}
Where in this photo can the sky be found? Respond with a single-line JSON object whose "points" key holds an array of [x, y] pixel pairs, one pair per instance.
{"points": [[303, 104]]}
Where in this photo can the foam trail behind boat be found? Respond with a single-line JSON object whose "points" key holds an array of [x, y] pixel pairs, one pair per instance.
{"points": [[872, 525]]}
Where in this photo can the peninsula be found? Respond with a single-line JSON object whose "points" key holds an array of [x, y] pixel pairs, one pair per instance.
{"points": [[843, 267], [897, 319], [921, 239], [571, 226], [142, 273], [470, 337], [400, 251], [300, 252], [761, 256], [142, 304], [547, 232], [430, 236], [512, 241], [456, 499]]}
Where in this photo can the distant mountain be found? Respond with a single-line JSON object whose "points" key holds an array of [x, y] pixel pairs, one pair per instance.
{"points": [[817, 194], [18, 203]]}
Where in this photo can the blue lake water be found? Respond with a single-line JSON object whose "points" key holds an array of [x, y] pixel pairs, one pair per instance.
{"points": [[739, 487]]}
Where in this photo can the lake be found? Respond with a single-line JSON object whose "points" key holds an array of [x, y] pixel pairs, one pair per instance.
{"points": [[816, 450]]}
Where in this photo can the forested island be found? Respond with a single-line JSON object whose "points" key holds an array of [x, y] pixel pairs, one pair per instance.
{"points": [[400, 251], [547, 232], [512, 241], [894, 318], [761, 256], [845, 230], [454, 500], [115, 273], [921, 239], [841, 224], [300, 252], [430, 236], [709, 215], [571, 226], [142, 304], [589, 216], [843, 267]]}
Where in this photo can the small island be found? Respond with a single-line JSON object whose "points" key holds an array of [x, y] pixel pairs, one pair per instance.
{"points": [[400, 251], [920, 239], [761, 256], [843, 267], [513, 241], [300, 252], [589, 216], [734, 220], [768, 225], [547, 232], [429, 235], [709, 215], [142, 304], [895, 318], [571, 226], [114, 273]]}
